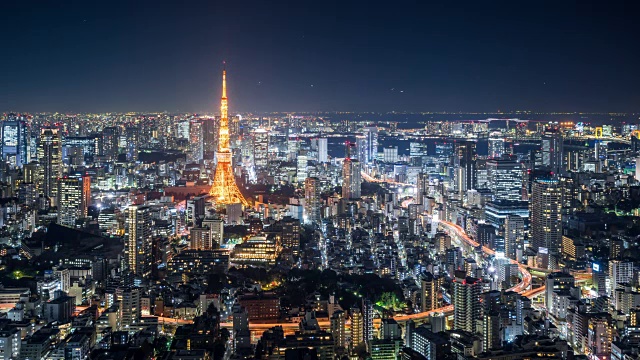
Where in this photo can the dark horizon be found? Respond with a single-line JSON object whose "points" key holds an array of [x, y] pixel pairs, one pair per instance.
{"points": [[320, 57]]}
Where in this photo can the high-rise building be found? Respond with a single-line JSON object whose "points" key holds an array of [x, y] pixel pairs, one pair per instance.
{"points": [[130, 308], [513, 236], [464, 162], [491, 331], [139, 240], [224, 189], [367, 319], [110, 137], [351, 179], [323, 156], [209, 138], [553, 151], [216, 225], [556, 281], [260, 149], [291, 234], [15, 141], [361, 146], [620, 272], [312, 200], [357, 327], [73, 198], [196, 142], [338, 329], [422, 188], [390, 154], [430, 288], [504, 176], [546, 215], [496, 147], [371, 133], [132, 135], [466, 301], [50, 158]]}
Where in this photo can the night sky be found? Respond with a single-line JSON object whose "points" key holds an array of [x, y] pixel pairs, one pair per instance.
{"points": [[320, 55]]}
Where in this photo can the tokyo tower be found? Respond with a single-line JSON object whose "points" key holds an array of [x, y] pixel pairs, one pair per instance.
{"points": [[224, 189]]}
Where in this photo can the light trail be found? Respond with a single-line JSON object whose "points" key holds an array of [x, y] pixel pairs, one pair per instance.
{"points": [[524, 273]]}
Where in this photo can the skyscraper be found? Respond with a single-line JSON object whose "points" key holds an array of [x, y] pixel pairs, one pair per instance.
{"points": [[357, 327], [553, 151], [139, 241], [337, 328], [73, 198], [132, 134], [504, 176], [15, 141], [466, 301], [430, 288], [367, 319], [546, 215], [50, 158], [513, 236], [371, 133], [464, 162], [312, 200], [260, 149], [110, 139], [224, 189], [351, 179], [196, 142], [322, 150]]}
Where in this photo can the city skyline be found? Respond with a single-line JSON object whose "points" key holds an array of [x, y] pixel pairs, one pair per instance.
{"points": [[299, 57]]}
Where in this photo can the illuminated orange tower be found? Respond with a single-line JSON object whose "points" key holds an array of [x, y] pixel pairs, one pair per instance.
{"points": [[224, 189]]}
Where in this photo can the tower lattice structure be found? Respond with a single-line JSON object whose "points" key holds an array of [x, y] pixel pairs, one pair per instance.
{"points": [[224, 189]]}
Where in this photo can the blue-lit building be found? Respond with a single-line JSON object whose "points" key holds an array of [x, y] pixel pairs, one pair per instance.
{"points": [[15, 141]]}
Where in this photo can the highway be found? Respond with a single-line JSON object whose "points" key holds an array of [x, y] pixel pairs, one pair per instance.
{"points": [[461, 234]]}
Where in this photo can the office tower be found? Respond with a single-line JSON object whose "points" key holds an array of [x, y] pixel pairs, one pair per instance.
{"points": [[422, 188], [464, 162], [338, 329], [312, 201], [552, 151], [293, 147], [196, 145], [390, 154], [556, 281], [138, 245], [201, 239], [361, 146], [367, 319], [504, 177], [466, 301], [546, 215], [620, 272], [351, 179], [224, 189], [15, 141], [129, 298], [323, 156], [513, 236], [209, 140], [357, 327], [132, 135], [50, 159], [260, 150], [496, 147], [301, 167], [216, 225], [430, 288], [110, 137], [291, 234], [73, 199], [371, 134]]}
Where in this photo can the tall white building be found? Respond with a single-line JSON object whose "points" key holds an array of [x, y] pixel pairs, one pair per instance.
{"points": [[620, 272], [371, 133], [260, 149], [72, 199], [504, 177], [323, 156]]}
